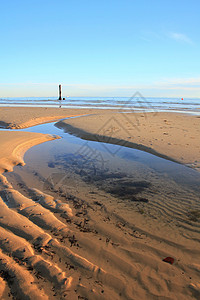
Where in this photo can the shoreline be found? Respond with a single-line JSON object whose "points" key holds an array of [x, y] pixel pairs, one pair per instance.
{"points": [[134, 104], [86, 135], [171, 136]]}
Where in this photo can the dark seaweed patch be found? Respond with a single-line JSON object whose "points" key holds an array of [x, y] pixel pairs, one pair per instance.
{"points": [[194, 215], [116, 183]]}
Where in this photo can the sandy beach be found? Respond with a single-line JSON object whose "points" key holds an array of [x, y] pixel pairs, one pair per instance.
{"points": [[22, 117], [171, 135], [82, 242]]}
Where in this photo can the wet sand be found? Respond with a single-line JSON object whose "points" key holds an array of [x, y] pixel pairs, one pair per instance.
{"points": [[14, 144], [77, 241]]}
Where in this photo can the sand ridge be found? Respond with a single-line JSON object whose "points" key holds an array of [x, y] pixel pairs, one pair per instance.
{"points": [[23, 117], [22, 234], [172, 136], [99, 255], [15, 144]]}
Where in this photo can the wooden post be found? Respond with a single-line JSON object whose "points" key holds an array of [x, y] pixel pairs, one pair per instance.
{"points": [[60, 93]]}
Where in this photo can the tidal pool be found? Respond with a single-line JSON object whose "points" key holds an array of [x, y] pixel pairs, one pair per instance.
{"points": [[152, 185]]}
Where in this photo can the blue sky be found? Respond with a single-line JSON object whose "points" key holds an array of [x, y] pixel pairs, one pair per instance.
{"points": [[100, 48]]}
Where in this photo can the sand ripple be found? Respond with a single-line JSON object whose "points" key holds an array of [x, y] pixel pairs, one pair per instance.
{"points": [[50, 250]]}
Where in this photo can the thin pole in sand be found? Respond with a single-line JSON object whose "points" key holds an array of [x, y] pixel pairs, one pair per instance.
{"points": [[60, 93]]}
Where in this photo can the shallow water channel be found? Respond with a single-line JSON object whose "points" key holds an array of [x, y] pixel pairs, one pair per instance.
{"points": [[154, 185]]}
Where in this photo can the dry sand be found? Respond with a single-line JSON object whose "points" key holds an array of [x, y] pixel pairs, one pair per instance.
{"points": [[61, 245], [22, 117]]}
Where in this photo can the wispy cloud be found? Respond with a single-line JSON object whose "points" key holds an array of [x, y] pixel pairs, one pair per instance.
{"points": [[180, 37], [150, 36]]}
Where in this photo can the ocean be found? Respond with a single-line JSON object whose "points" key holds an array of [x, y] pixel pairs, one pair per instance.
{"points": [[133, 104]]}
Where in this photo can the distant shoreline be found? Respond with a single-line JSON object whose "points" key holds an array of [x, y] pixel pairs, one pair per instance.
{"points": [[135, 104]]}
